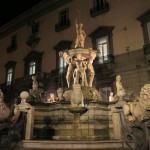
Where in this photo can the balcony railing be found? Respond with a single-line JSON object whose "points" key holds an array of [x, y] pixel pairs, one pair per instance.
{"points": [[33, 39], [11, 48], [95, 11]]}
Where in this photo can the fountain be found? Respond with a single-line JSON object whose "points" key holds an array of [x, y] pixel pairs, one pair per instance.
{"points": [[79, 115], [81, 73]]}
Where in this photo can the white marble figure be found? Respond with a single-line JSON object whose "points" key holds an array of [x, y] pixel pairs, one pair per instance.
{"points": [[34, 83], [80, 73], [51, 99], [35, 92], [90, 68], [111, 97], [80, 39], [68, 60], [60, 94], [120, 90]]}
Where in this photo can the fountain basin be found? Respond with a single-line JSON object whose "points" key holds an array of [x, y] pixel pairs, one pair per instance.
{"points": [[80, 110]]}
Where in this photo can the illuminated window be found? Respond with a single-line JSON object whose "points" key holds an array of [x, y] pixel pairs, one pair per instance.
{"points": [[9, 76], [102, 49], [33, 63], [32, 67], [10, 67], [102, 40], [62, 64]]}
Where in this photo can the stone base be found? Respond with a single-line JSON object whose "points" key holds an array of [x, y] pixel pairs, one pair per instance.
{"points": [[68, 145], [76, 138], [55, 121]]}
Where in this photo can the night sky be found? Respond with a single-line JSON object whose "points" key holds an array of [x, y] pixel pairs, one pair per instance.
{"points": [[10, 9]]}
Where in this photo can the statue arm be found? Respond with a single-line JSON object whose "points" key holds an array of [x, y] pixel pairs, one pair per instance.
{"points": [[84, 34]]}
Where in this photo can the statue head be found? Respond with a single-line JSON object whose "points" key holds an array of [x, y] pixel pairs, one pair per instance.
{"points": [[118, 78], [52, 95], [33, 78], [80, 25]]}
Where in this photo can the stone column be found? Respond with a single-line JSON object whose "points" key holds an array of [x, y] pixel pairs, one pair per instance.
{"points": [[26, 107], [116, 118]]}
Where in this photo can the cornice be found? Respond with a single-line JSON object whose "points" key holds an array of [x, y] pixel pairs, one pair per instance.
{"points": [[37, 11]]}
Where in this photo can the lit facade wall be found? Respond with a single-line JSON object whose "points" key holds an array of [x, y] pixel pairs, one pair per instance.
{"points": [[121, 14]]}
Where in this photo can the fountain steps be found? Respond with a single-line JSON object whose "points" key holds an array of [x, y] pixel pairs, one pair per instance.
{"points": [[67, 145]]}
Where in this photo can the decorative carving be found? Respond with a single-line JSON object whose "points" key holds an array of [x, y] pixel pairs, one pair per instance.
{"points": [[4, 110], [80, 72], [27, 108], [11, 124], [120, 89], [140, 107], [51, 99], [77, 96], [68, 60], [80, 39], [35, 92]]}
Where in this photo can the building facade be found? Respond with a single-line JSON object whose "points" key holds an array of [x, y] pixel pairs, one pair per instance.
{"points": [[118, 30]]}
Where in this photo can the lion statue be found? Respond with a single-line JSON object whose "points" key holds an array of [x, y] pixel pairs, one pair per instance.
{"points": [[139, 109]]}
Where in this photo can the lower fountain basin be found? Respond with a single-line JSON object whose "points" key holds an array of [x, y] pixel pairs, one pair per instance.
{"points": [[80, 110]]}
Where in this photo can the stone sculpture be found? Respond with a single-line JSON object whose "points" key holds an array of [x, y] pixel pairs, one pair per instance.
{"points": [[35, 93], [111, 97], [140, 107], [77, 96], [68, 60], [120, 90], [4, 110], [51, 99], [60, 94], [90, 68], [11, 124], [27, 108], [80, 68], [80, 39], [80, 72]]}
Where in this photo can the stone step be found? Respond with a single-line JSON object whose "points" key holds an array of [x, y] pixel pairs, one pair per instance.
{"points": [[68, 145]]}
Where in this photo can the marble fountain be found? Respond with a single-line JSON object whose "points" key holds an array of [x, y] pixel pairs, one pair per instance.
{"points": [[79, 119]]}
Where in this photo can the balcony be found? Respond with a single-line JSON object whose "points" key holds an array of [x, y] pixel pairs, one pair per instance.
{"points": [[62, 25], [33, 39], [97, 10], [11, 48], [146, 49]]}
